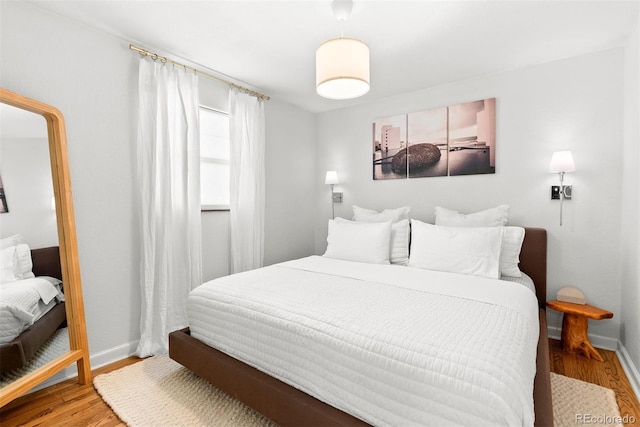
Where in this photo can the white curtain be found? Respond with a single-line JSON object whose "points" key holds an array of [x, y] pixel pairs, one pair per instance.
{"points": [[168, 161], [247, 133]]}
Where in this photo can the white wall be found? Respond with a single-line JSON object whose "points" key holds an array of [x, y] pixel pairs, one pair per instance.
{"points": [[573, 104], [28, 186], [290, 178], [630, 330], [92, 78]]}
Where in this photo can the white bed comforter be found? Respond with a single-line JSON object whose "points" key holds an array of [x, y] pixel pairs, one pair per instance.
{"points": [[392, 345], [25, 301]]}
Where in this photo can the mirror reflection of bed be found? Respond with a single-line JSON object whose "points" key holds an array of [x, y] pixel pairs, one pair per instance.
{"points": [[32, 310]]}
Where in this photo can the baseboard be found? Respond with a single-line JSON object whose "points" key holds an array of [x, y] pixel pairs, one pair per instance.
{"points": [[97, 361], [597, 340], [629, 368], [113, 355]]}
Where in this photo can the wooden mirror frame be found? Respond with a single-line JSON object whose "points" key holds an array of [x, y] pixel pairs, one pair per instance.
{"points": [[78, 343]]}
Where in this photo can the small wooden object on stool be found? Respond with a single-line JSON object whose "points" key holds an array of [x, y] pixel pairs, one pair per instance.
{"points": [[575, 324]]}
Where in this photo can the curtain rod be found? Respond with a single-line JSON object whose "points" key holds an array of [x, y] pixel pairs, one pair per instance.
{"points": [[163, 59]]}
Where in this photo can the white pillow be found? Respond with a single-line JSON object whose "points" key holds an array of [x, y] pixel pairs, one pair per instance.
{"points": [[399, 244], [14, 240], [24, 263], [8, 263], [465, 250], [368, 215], [359, 241], [510, 256], [400, 236], [494, 217]]}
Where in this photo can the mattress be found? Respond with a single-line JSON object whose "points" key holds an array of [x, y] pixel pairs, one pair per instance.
{"points": [[389, 344], [25, 301], [524, 280]]}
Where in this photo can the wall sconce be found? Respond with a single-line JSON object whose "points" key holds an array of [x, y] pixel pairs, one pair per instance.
{"points": [[561, 162], [336, 197]]}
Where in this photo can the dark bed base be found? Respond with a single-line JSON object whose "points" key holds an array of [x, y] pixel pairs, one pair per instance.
{"points": [[15, 354], [289, 406], [274, 399]]}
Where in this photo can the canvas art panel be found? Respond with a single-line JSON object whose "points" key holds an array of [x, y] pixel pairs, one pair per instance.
{"points": [[443, 141], [389, 139], [428, 149], [472, 138]]}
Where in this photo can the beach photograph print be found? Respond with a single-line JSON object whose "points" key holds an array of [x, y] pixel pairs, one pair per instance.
{"points": [[472, 138], [389, 144], [428, 149]]}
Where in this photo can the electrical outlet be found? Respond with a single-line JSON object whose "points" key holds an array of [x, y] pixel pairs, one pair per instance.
{"points": [[336, 197], [555, 192]]}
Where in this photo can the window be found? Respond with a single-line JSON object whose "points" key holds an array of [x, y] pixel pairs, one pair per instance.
{"points": [[214, 160]]}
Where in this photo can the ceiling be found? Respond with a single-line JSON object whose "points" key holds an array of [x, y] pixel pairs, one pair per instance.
{"points": [[270, 45]]}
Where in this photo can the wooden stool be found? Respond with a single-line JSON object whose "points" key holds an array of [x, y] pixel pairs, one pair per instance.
{"points": [[575, 324]]}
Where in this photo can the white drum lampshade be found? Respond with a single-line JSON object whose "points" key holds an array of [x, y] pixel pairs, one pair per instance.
{"points": [[342, 69], [331, 178]]}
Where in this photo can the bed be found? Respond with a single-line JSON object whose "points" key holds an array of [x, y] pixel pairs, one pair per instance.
{"points": [[17, 352], [291, 405]]}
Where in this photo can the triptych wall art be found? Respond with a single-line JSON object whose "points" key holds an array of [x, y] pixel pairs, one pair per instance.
{"points": [[446, 141]]}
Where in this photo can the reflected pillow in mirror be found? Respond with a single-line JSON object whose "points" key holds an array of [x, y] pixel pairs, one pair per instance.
{"points": [[8, 262], [14, 240], [24, 264]]}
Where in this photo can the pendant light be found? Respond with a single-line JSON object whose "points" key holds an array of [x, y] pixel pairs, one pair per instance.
{"points": [[342, 64]]}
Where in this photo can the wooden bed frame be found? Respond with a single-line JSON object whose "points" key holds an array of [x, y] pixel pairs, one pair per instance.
{"points": [[15, 354], [289, 406]]}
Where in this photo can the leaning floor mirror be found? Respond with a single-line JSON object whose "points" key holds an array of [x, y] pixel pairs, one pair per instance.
{"points": [[38, 250]]}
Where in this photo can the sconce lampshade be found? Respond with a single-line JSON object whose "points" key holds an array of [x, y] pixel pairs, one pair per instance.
{"points": [[331, 178], [342, 69], [562, 161]]}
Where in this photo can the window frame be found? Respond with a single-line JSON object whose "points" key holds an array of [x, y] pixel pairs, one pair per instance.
{"points": [[213, 160]]}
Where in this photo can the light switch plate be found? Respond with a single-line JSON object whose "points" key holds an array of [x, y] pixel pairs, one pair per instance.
{"points": [[555, 192]]}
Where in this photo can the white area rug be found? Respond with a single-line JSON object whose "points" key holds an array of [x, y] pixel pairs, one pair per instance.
{"points": [[581, 403], [54, 347], [161, 392]]}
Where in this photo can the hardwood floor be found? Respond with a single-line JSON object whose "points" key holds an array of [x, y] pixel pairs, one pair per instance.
{"points": [[607, 374], [70, 404], [64, 404]]}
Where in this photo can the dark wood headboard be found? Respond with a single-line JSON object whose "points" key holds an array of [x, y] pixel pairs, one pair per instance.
{"points": [[46, 262], [533, 260]]}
